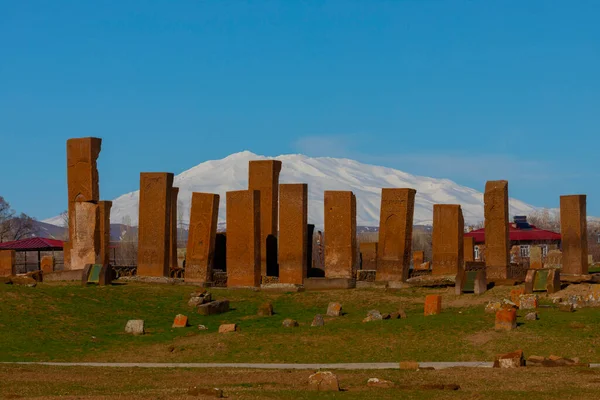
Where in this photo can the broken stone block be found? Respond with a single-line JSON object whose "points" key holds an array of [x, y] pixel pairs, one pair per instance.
{"points": [[506, 320], [318, 320], [493, 307], [226, 328], [535, 360], [213, 392], [380, 383], [373, 315], [515, 295], [334, 310], [400, 314], [528, 301], [202, 328], [324, 381], [214, 307], [532, 316], [409, 365], [433, 304], [265, 310], [510, 360], [289, 323], [135, 327], [180, 321]]}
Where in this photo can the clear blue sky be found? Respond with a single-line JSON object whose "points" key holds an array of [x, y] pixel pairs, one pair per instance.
{"points": [[466, 90]]}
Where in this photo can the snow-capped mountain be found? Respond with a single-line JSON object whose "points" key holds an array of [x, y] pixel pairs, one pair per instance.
{"points": [[323, 173]]}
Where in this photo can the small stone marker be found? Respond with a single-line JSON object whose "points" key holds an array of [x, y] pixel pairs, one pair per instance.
{"points": [[506, 319], [181, 321], [226, 328], [409, 365], [528, 301], [289, 323], [532, 316], [47, 264], [510, 360], [213, 392], [373, 315], [135, 327], [400, 314], [493, 307], [265, 310], [318, 320], [433, 304], [214, 307], [566, 307], [324, 381], [334, 310], [515, 295], [380, 383]]}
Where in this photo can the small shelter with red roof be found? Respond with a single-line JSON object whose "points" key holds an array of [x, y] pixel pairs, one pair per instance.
{"points": [[34, 244]]}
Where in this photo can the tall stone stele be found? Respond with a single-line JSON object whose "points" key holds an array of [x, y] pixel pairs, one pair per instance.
{"points": [[447, 246], [263, 175], [340, 234], [293, 238], [154, 223], [243, 238], [573, 230], [395, 234], [173, 229], [497, 243], [469, 248], [82, 180], [202, 235]]}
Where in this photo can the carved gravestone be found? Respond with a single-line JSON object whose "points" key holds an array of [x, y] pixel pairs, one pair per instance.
{"points": [[340, 234], [85, 244], [200, 255], [293, 237], [573, 229], [395, 234], [497, 244], [173, 229], [448, 229]]}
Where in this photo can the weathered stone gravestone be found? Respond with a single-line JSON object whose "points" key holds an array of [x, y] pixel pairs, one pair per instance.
{"points": [[433, 304], [535, 257], [103, 227], [7, 262], [293, 237], [263, 176], [200, 254], [506, 319], [553, 259], [573, 229], [448, 229], [470, 282], [98, 274], [47, 264], [135, 327], [542, 280], [468, 248], [368, 255], [85, 242], [243, 238], [173, 228], [418, 258], [395, 234], [154, 223], [497, 244], [340, 234], [82, 179]]}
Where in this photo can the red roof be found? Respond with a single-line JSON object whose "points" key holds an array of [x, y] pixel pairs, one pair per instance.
{"points": [[516, 235], [31, 244]]}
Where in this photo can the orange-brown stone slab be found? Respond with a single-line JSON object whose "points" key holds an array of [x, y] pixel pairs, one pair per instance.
{"points": [[573, 229], [200, 256], [506, 319], [368, 254], [448, 230], [173, 229], [433, 304], [263, 175], [535, 257], [103, 227], [395, 234], [418, 258], [469, 248], [86, 235], [293, 238], [47, 264], [243, 238], [7, 262], [340, 234], [154, 223], [497, 244], [181, 321]]}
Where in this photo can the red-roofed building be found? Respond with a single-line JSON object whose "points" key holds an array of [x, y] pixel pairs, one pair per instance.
{"points": [[521, 234], [37, 246]]}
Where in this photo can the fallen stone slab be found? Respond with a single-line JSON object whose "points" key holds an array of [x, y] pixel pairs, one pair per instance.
{"points": [[226, 328], [214, 307], [510, 360], [432, 280], [135, 327]]}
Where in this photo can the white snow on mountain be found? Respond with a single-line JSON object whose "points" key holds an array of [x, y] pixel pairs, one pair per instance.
{"points": [[323, 173]]}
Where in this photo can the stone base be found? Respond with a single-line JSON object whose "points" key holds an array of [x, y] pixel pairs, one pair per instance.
{"points": [[68, 275], [281, 287], [329, 283], [432, 280], [587, 278], [398, 285], [371, 285]]}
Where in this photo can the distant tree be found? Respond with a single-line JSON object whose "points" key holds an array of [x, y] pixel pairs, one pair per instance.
{"points": [[13, 226], [545, 219]]}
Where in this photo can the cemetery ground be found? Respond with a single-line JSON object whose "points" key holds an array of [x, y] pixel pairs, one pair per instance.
{"points": [[67, 322]]}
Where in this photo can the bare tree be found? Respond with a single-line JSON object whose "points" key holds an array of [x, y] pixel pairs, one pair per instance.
{"points": [[13, 226], [545, 219]]}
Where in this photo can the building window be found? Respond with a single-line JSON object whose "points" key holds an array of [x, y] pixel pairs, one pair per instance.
{"points": [[544, 250], [476, 248], [524, 251]]}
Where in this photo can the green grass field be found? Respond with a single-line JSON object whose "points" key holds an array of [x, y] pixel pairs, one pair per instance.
{"points": [[67, 322]]}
